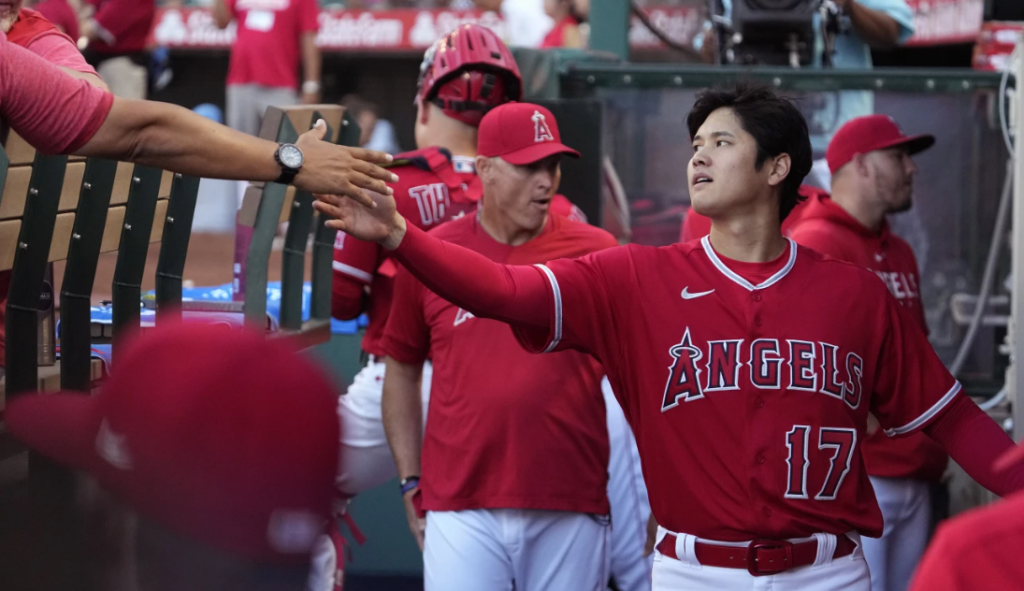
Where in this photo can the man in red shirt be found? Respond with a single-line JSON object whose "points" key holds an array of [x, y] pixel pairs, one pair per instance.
{"points": [[513, 485], [117, 33], [33, 31], [264, 72], [746, 364], [979, 549], [872, 176]]}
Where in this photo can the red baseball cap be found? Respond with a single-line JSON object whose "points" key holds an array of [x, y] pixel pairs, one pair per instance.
{"points": [[521, 134], [870, 133], [221, 435]]}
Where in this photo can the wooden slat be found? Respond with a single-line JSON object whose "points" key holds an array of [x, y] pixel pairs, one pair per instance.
{"points": [[165, 184], [122, 183], [157, 232], [72, 186], [18, 150], [61, 236], [301, 117], [286, 209], [112, 230], [12, 204], [9, 230]]}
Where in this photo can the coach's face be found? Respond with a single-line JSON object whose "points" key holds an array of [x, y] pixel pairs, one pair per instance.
{"points": [[9, 14], [522, 194], [722, 174], [892, 174]]}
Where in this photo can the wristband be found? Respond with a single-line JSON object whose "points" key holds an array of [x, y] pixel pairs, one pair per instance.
{"points": [[407, 484], [310, 87]]}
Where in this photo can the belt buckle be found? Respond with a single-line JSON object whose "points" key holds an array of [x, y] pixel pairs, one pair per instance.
{"points": [[758, 570]]}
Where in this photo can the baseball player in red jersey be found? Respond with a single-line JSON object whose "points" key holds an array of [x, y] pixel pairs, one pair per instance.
{"points": [[540, 521], [979, 549], [872, 176], [464, 74], [746, 364]]}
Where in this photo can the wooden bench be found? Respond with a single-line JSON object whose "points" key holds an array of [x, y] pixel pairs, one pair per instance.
{"points": [[54, 208]]}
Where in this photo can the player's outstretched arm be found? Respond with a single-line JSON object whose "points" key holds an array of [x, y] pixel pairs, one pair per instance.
{"points": [[975, 442], [509, 293], [174, 138]]}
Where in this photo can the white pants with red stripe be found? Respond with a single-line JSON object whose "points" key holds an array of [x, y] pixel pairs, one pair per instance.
{"points": [[847, 573], [366, 460], [514, 549]]}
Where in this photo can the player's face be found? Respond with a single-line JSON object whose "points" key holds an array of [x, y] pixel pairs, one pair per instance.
{"points": [[9, 14], [523, 193], [893, 175], [722, 176]]}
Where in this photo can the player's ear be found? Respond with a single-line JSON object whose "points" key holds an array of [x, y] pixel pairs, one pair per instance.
{"points": [[780, 169], [422, 112], [484, 167]]}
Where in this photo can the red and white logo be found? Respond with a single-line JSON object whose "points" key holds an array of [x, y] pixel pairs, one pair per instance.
{"points": [[541, 131]]}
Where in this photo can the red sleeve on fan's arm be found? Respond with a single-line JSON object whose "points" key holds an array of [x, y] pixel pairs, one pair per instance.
{"points": [[975, 442], [516, 294]]}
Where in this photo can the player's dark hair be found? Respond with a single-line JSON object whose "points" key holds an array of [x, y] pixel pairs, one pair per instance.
{"points": [[774, 121]]}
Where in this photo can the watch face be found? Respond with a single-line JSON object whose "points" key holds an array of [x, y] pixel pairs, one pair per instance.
{"points": [[291, 156]]}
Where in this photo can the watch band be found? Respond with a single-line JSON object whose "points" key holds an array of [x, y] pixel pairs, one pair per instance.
{"points": [[287, 176], [407, 484]]}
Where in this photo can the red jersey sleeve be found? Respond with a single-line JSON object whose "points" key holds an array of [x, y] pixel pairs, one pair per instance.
{"points": [[407, 336], [123, 17], [355, 263], [912, 386], [32, 91], [821, 240], [586, 296], [309, 13]]}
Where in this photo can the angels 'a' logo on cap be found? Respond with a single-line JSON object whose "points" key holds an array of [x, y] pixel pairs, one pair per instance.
{"points": [[541, 132]]}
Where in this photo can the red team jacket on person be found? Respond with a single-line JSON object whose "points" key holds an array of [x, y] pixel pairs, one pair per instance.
{"points": [[540, 418], [696, 226], [60, 13], [829, 229], [749, 397], [433, 187]]}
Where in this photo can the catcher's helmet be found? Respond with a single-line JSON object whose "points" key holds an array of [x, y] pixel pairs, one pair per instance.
{"points": [[469, 72]]}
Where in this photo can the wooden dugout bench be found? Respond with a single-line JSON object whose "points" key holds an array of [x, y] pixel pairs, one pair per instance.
{"points": [[58, 207]]}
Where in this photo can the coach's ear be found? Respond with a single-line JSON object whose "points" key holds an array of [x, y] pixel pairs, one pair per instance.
{"points": [[484, 168], [779, 169]]}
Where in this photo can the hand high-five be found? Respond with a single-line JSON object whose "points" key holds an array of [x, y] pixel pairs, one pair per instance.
{"points": [[329, 168], [368, 216]]}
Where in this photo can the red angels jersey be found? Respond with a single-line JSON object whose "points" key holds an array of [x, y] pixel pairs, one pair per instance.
{"points": [[829, 229], [748, 386], [977, 550], [433, 187], [505, 429]]}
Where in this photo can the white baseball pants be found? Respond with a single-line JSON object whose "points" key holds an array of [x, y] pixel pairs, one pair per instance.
{"points": [[906, 509], [513, 549], [366, 460], [627, 495], [848, 573]]}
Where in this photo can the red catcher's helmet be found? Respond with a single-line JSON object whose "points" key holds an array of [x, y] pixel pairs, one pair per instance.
{"points": [[469, 72]]}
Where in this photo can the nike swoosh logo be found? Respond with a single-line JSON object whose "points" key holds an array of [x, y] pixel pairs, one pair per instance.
{"points": [[689, 296]]}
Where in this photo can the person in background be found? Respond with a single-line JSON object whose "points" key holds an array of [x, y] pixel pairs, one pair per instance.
{"points": [[566, 32], [62, 14], [273, 38], [116, 43], [375, 133]]}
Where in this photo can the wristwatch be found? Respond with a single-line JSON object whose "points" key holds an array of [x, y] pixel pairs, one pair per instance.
{"points": [[289, 156]]}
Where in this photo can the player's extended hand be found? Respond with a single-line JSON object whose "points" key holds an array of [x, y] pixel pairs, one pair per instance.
{"points": [[373, 219], [417, 525], [329, 168]]}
